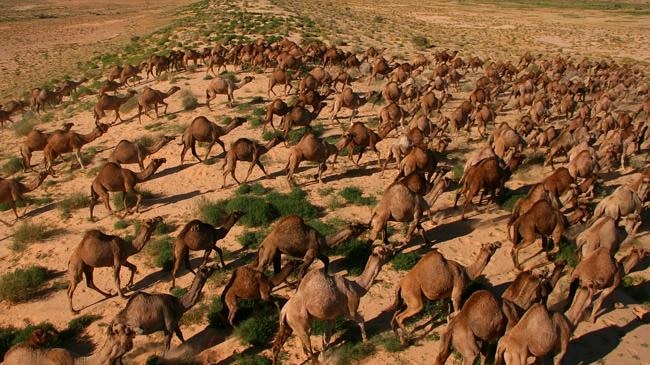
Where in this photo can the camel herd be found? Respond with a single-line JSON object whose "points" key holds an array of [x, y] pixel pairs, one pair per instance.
{"points": [[576, 114]]}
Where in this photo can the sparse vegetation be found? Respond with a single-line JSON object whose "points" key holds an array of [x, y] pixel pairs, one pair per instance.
{"points": [[405, 261], [74, 201], [23, 284], [12, 166], [188, 100], [28, 232], [354, 195]]}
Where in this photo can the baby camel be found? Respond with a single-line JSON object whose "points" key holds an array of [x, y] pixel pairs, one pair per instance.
{"points": [[220, 86], [98, 249], [434, 277], [196, 236], [111, 102], [291, 236], [204, 130], [148, 313], [113, 178], [127, 152], [315, 149], [327, 297], [245, 149], [152, 97]]}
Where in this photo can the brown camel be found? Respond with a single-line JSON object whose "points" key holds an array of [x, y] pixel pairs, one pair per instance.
{"points": [[248, 283], [434, 277], [11, 190], [327, 297], [605, 232], [282, 77], [36, 140], [110, 102], [483, 319], [537, 333], [245, 149], [62, 141], [276, 107], [151, 97], [127, 152], [131, 71], [119, 341], [292, 236], [621, 202], [113, 178], [529, 288], [361, 136], [312, 148], [350, 100], [601, 274], [149, 313], [41, 97], [221, 86], [98, 249], [299, 116], [109, 85], [197, 236], [203, 130]]}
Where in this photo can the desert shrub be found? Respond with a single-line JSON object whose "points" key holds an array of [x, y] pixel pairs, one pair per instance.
{"points": [[567, 252], [163, 228], [634, 287], [121, 224], [178, 292], [354, 195], [255, 188], [353, 352], [23, 284], [188, 100], [457, 171], [296, 202], [356, 253], [76, 200], [404, 261], [12, 166], [392, 344], [257, 211], [213, 212], [510, 201], [260, 328], [251, 239], [216, 317], [24, 125], [162, 251], [421, 42], [28, 232]]}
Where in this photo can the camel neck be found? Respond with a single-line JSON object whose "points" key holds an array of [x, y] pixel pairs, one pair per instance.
{"points": [[105, 355], [93, 135], [475, 269], [279, 277], [365, 280], [629, 262], [230, 222], [32, 185], [143, 237], [150, 170], [190, 298], [338, 237], [232, 125], [156, 147]]}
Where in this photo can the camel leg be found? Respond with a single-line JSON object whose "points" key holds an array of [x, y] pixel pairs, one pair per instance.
{"points": [[362, 326], [133, 270], [601, 298], [116, 277], [300, 325], [207, 153], [327, 335], [307, 260], [465, 343], [515, 253], [258, 163], [230, 300], [90, 283], [414, 307], [250, 169], [74, 277], [206, 256], [179, 334], [220, 253], [78, 154]]}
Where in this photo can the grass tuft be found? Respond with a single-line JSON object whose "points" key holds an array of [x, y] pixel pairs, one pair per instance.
{"points": [[28, 232], [12, 166], [24, 284], [76, 200], [354, 195], [404, 261], [188, 100]]}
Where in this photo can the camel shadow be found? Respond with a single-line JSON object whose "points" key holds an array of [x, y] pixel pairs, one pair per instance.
{"points": [[167, 200], [357, 172], [448, 231], [40, 210], [172, 170]]}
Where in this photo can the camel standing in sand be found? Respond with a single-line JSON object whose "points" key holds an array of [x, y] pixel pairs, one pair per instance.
{"points": [[434, 277], [245, 149], [327, 297], [111, 102], [203, 130], [98, 249], [350, 100], [36, 141], [151, 97], [12, 191], [197, 236], [113, 178], [127, 152], [61, 142], [220, 86], [312, 148]]}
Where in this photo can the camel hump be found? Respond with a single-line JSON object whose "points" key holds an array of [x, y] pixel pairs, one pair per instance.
{"points": [[191, 226]]}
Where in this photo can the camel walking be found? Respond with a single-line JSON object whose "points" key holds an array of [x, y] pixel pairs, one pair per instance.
{"points": [[36, 140], [151, 97], [12, 191], [245, 149], [127, 152], [221, 86], [61, 142], [204, 130]]}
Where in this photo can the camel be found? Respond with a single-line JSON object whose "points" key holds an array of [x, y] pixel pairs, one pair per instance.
{"points": [[127, 152], [314, 98], [196, 236], [605, 233], [541, 219], [109, 85], [62, 141], [327, 297], [621, 202], [5, 116], [361, 136], [537, 333], [42, 97], [69, 86], [529, 288], [147, 313], [12, 191], [434, 277], [391, 114], [130, 71], [111, 102], [149, 97], [536, 193], [114, 72], [248, 283], [221, 86], [380, 67], [418, 159], [113, 178], [276, 107], [312, 148], [598, 273], [119, 341], [292, 236], [299, 116], [350, 100], [279, 76], [245, 149], [203, 130], [483, 319], [98, 249], [36, 140]]}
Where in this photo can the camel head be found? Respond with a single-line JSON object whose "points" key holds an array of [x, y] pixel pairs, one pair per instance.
{"points": [[641, 253], [382, 251], [102, 127], [168, 139], [121, 337], [150, 224], [491, 247], [630, 221], [237, 214], [239, 120], [205, 271]]}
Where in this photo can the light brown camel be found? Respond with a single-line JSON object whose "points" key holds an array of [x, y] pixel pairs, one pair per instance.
{"points": [[248, 150], [12, 191], [98, 249], [109, 85], [119, 341], [127, 152], [148, 313], [537, 333], [621, 202], [327, 297], [42, 97], [131, 71], [361, 136], [151, 97], [276, 107], [605, 232], [483, 319], [36, 140], [529, 288], [315, 149], [113, 178], [111, 102], [62, 141], [221, 86], [292, 236], [299, 116], [598, 274], [282, 77], [350, 100], [248, 283], [197, 236], [203, 130], [434, 277]]}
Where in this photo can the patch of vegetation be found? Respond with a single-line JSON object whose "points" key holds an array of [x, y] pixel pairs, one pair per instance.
{"points": [[421, 42], [355, 254], [121, 224], [212, 212], [567, 253], [188, 100], [510, 201], [28, 232], [254, 359], [634, 287], [24, 125], [457, 171], [217, 317], [350, 353], [260, 327], [325, 191], [12, 166], [162, 251], [354, 195], [195, 315], [251, 239], [391, 344], [178, 292], [24, 284], [255, 188], [405, 261], [76, 200], [118, 199]]}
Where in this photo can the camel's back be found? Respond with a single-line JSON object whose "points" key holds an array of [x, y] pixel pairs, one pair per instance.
{"points": [[536, 330], [400, 201], [434, 275], [290, 235], [524, 290], [482, 312], [599, 266], [36, 139], [324, 298], [124, 149], [200, 127], [112, 176], [219, 85], [23, 354], [95, 249], [147, 312], [197, 234], [243, 148]]}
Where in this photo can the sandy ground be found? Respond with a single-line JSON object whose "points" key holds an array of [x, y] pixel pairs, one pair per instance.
{"points": [[616, 338]]}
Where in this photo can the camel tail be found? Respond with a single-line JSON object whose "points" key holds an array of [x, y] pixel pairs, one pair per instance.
{"points": [[227, 287], [283, 334]]}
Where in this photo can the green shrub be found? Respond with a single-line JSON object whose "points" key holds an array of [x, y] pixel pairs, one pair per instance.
{"points": [[76, 200], [356, 253], [212, 212], [216, 317], [567, 252], [392, 344], [510, 201], [458, 172], [421, 42], [254, 359], [23, 284], [163, 228], [188, 100], [12, 166], [24, 125], [121, 224], [178, 292], [404, 261], [28, 232], [632, 285], [162, 250], [296, 202], [257, 211], [354, 195], [251, 239], [259, 329], [255, 188], [350, 353]]}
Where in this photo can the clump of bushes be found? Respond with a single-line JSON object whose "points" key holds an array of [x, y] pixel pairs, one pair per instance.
{"points": [[404, 261], [23, 284], [188, 100], [421, 42], [76, 200], [12, 166], [354, 195], [162, 250], [28, 232]]}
